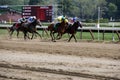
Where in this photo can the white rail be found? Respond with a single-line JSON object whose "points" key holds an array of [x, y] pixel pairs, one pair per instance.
{"points": [[84, 28]]}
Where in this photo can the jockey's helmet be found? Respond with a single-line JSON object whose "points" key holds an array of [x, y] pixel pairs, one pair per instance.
{"points": [[34, 17]]}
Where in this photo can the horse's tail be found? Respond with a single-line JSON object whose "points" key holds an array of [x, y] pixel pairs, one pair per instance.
{"points": [[50, 27], [8, 29]]}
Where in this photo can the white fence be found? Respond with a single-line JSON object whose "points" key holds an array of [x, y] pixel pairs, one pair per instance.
{"points": [[84, 28], [90, 29]]}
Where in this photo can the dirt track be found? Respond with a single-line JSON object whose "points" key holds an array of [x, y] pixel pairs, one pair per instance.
{"points": [[46, 60]]}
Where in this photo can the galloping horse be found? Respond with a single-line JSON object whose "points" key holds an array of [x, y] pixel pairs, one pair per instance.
{"points": [[14, 27], [61, 28], [72, 29], [25, 28]]}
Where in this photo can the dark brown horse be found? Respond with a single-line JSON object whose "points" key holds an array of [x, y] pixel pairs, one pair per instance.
{"points": [[72, 29], [13, 28], [60, 29], [25, 28]]}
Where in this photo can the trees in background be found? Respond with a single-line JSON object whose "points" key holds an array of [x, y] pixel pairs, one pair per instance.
{"points": [[33, 2], [12, 2], [85, 9], [81, 8], [113, 8]]}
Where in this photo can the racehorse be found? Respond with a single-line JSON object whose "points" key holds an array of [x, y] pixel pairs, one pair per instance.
{"points": [[60, 29], [25, 28], [13, 28], [72, 29]]}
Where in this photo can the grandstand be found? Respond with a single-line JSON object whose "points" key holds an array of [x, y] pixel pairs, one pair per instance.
{"points": [[9, 14]]}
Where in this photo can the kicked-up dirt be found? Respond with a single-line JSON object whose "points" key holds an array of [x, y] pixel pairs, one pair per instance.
{"points": [[46, 60]]}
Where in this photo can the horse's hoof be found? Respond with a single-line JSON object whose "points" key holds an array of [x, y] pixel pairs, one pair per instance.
{"points": [[54, 41], [58, 38]]}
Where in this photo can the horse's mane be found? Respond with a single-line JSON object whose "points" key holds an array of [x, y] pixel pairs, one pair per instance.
{"points": [[63, 22], [34, 22]]}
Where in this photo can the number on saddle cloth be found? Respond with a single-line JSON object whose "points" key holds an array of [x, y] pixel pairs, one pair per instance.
{"points": [[17, 25]]}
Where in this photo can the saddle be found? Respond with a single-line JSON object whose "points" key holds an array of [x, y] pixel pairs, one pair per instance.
{"points": [[56, 26], [17, 25]]}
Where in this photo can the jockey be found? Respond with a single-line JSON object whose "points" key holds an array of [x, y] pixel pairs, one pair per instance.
{"points": [[74, 19], [61, 18], [31, 19], [22, 20]]}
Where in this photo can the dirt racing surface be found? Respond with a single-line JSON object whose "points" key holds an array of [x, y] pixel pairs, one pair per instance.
{"points": [[45, 60]]}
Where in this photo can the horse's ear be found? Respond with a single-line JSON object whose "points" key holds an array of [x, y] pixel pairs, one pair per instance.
{"points": [[80, 22], [77, 21]]}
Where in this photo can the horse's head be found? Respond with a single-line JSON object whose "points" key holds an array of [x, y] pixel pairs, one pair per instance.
{"points": [[38, 22], [64, 23], [78, 24]]}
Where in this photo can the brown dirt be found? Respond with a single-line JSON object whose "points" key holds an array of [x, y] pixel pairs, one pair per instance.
{"points": [[46, 60], [86, 49]]}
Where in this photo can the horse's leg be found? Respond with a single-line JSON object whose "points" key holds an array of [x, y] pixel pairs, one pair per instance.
{"points": [[35, 36], [38, 34], [28, 36], [8, 29], [70, 37], [58, 36], [51, 35], [54, 36], [46, 32], [32, 35], [25, 34], [75, 38], [17, 34], [11, 32]]}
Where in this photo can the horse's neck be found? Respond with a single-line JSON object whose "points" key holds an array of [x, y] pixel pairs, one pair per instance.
{"points": [[32, 24], [63, 23], [75, 26]]}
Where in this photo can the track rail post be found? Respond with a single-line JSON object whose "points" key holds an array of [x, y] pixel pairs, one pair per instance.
{"points": [[91, 34], [118, 35]]}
